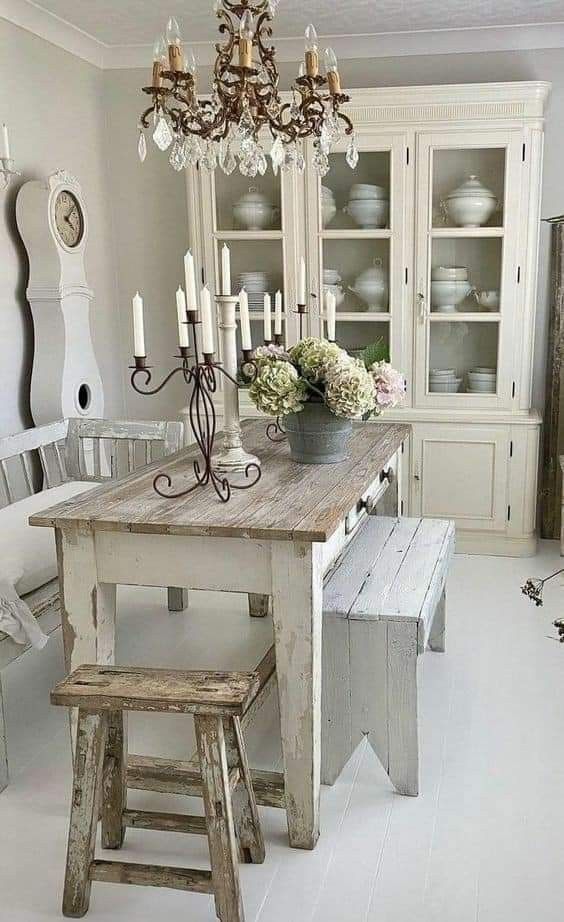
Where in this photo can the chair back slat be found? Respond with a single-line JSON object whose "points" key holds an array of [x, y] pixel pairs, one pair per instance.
{"points": [[119, 447]]}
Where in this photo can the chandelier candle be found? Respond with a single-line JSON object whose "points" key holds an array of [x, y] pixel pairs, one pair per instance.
{"points": [[226, 126], [207, 326]]}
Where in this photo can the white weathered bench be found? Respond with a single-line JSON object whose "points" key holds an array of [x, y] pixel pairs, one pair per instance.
{"points": [[35, 462], [383, 603]]}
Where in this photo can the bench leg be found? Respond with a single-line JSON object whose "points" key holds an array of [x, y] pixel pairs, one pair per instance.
{"points": [[438, 628], [114, 784], [336, 732], [89, 756], [177, 598], [3, 744], [219, 818], [259, 605], [245, 813], [403, 745]]}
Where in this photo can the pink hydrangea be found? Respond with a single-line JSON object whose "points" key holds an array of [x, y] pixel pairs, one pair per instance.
{"points": [[390, 385]]}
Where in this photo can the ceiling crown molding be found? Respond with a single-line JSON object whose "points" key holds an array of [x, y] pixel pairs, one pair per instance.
{"points": [[31, 16]]}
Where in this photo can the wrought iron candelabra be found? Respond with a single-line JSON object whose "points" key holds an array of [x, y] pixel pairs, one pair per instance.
{"points": [[202, 372]]}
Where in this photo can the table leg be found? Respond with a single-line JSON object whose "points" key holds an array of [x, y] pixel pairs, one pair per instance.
{"points": [[177, 598], [88, 608], [297, 586]]}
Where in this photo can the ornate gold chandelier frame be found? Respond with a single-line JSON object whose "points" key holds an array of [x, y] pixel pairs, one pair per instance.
{"points": [[245, 99]]}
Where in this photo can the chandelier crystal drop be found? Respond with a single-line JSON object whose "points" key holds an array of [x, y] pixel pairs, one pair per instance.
{"points": [[244, 122]]}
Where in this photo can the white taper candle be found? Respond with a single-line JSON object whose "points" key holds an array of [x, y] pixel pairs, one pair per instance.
{"points": [[246, 341], [267, 317], [138, 327], [302, 283], [190, 279], [278, 313], [225, 270], [5, 152], [207, 326], [330, 308], [183, 338]]}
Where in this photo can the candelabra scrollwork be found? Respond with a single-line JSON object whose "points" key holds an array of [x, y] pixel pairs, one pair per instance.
{"points": [[202, 376]]}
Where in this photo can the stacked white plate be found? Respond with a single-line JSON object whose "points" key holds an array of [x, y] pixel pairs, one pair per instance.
{"points": [[255, 284], [331, 276], [443, 381], [482, 380]]}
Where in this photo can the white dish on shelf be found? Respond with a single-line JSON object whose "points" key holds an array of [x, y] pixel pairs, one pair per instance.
{"points": [[331, 276], [446, 386], [489, 300], [368, 213], [254, 212], [447, 294], [449, 372], [482, 370], [471, 204], [449, 274]]}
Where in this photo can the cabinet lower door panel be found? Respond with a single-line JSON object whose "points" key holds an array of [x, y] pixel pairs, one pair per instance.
{"points": [[461, 473]]}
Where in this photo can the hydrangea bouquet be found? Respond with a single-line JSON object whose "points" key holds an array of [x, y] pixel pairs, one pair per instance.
{"points": [[318, 389]]}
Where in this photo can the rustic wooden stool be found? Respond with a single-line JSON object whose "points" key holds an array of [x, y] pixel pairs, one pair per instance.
{"points": [[217, 700]]}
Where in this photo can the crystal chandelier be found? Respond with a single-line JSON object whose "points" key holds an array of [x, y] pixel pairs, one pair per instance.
{"points": [[228, 127]]}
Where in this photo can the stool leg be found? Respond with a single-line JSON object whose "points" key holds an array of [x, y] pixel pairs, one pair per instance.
{"points": [[219, 818], [245, 813], [114, 783], [89, 755]]}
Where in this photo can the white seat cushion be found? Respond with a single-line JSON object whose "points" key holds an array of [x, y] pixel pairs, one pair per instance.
{"points": [[27, 555]]}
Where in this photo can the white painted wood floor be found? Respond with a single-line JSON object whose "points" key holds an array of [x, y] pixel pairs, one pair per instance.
{"points": [[484, 841]]}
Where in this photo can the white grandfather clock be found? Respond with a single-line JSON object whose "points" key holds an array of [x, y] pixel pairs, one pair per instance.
{"points": [[53, 224]]}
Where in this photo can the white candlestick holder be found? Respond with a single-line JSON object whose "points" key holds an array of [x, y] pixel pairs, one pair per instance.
{"points": [[7, 171], [232, 458]]}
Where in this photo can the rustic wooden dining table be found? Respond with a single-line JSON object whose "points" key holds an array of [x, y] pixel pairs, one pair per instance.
{"points": [[276, 539]]}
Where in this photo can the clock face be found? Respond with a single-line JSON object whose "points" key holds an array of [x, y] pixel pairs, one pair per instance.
{"points": [[69, 220]]}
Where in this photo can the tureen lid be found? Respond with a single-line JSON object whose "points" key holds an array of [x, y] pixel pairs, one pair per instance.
{"points": [[471, 186], [373, 273], [252, 196]]}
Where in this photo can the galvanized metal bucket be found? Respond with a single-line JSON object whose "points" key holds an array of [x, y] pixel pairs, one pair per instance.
{"points": [[316, 435]]}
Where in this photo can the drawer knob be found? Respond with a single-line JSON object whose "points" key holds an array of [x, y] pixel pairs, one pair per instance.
{"points": [[367, 504], [387, 475]]}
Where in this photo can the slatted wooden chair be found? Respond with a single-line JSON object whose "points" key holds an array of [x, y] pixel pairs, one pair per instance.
{"points": [[217, 700], [36, 465]]}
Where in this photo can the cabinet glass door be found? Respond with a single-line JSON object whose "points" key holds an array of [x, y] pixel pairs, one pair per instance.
{"points": [[257, 221], [357, 244], [468, 296]]}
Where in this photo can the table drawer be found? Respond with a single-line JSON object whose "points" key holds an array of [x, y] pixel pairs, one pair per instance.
{"points": [[358, 514]]}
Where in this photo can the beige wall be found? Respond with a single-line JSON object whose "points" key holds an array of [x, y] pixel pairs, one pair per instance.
{"points": [[53, 104]]}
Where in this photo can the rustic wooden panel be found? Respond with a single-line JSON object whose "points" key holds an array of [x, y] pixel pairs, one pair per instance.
{"points": [[290, 502], [551, 476]]}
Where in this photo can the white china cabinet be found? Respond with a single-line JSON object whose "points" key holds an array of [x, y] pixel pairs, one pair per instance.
{"points": [[431, 248]]}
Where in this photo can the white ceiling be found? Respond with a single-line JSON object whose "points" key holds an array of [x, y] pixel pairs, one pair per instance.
{"points": [[133, 22]]}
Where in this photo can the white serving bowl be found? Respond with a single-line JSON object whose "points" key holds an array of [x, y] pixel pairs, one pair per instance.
{"points": [[446, 295], [482, 370], [365, 190], [254, 212], [449, 274], [368, 213], [448, 386], [488, 299], [372, 286]]}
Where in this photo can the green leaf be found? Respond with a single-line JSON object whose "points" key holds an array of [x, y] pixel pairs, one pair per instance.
{"points": [[375, 352]]}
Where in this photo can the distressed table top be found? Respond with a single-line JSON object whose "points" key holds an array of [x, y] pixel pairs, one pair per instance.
{"points": [[290, 502]]}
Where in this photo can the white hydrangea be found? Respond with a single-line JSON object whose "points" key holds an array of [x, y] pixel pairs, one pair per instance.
{"points": [[278, 389], [316, 357], [350, 392]]}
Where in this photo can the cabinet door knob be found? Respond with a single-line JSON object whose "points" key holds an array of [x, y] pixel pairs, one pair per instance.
{"points": [[421, 299], [368, 504], [387, 475]]}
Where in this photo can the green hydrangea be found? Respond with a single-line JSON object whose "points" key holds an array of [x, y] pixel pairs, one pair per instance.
{"points": [[350, 391], [315, 357], [278, 389], [264, 355]]}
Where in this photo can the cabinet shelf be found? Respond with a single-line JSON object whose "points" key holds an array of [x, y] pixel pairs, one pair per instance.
{"points": [[467, 231], [467, 317], [249, 235], [380, 233], [362, 316]]}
